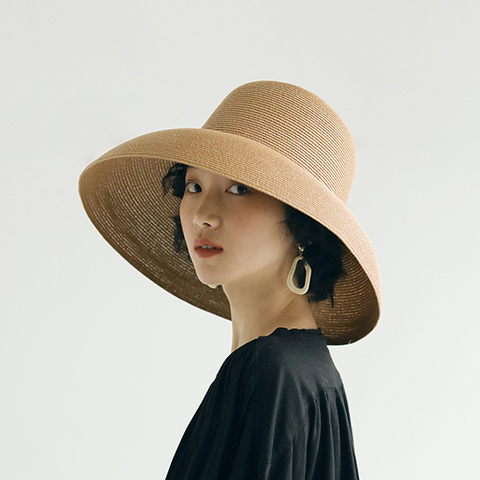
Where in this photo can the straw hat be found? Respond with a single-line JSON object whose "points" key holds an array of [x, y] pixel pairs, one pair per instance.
{"points": [[274, 137]]}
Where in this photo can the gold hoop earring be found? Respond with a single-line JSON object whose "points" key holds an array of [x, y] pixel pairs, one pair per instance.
{"points": [[291, 273]]}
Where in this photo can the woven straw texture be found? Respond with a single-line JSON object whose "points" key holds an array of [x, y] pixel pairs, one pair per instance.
{"points": [[274, 137]]}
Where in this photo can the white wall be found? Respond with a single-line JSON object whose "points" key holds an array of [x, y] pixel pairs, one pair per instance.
{"points": [[100, 369]]}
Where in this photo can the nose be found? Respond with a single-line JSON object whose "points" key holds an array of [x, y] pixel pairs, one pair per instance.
{"points": [[207, 212]]}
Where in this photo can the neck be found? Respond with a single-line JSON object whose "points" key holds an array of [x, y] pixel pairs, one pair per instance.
{"points": [[259, 306]]}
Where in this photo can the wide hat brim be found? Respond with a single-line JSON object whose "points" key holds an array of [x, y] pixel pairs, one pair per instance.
{"points": [[123, 196]]}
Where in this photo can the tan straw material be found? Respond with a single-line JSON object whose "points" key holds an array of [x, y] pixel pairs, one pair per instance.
{"points": [[274, 137]]}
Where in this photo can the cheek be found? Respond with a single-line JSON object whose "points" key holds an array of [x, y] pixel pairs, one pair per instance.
{"points": [[263, 231], [181, 212], [185, 220]]}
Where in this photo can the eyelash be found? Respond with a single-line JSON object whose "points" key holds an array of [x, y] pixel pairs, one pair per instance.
{"points": [[234, 185]]}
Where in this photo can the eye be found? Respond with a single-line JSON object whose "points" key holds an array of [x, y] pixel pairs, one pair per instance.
{"points": [[241, 189], [189, 189]]}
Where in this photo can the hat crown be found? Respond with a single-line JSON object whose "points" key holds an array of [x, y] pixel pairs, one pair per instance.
{"points": [[295, 123]]}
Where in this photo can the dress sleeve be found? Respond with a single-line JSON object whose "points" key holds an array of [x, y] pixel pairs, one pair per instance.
{"points": [[274, 437]]}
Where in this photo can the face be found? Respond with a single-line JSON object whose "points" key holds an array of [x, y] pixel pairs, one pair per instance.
{"points": [[244, 222]]}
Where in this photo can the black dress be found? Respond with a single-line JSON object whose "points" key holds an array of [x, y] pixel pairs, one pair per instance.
{"points": [[276, 410]]}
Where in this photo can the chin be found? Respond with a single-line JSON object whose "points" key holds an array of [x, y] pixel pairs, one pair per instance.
{"points": [[211, 275], [212, 284], [209, 279]]}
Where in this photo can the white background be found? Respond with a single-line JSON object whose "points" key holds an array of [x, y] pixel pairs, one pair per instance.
{"points": [[100, 369]]}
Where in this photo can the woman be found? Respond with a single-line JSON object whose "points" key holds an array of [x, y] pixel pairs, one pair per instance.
{"points": [[253, 226]]}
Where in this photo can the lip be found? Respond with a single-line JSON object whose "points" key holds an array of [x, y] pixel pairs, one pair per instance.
{"points": [[199, 242], [206, 253]]}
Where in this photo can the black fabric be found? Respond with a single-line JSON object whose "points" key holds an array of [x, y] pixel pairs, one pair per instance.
{"points": [[277, 410]]}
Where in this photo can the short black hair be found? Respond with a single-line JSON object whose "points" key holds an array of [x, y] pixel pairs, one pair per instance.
{"points": [[323, 250]]}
